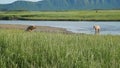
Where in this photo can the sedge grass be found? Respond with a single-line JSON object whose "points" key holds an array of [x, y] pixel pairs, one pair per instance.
{"points": [[88, 15], [19, 49]]}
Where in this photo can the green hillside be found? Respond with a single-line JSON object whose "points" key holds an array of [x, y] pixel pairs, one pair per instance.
{"points": [[62, 5]]}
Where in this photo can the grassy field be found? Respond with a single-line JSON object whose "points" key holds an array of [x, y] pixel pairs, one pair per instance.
{"points": [[91, 15], [19, 49]]}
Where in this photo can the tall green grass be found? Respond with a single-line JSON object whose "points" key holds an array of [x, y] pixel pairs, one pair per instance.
{"points": [[92, 15], [19, 49]]}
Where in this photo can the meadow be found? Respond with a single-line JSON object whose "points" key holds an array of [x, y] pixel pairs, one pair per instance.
{"points": [[20, 49], [88, 15]]}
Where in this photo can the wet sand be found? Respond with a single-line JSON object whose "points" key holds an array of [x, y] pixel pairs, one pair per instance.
{"points": [[38, 29]]}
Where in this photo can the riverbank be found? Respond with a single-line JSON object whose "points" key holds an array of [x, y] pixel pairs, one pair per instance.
{"points": [[90, 15], [38, 28]]}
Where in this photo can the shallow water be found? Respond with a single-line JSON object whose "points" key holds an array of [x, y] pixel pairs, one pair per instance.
{"points": [[74, 26]]}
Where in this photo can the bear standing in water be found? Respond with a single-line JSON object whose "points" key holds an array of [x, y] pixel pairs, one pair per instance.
{"points": [[97, 29]]}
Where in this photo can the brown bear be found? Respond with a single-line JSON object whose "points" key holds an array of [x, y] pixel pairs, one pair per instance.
{"points": [[30, 28]]}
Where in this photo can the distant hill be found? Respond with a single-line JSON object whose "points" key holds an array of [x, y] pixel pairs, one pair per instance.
{"points": [[62, 5], [20, 5]]}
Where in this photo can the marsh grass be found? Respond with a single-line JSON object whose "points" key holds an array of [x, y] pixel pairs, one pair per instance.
{"points": [[19, 49], [88, 15]]}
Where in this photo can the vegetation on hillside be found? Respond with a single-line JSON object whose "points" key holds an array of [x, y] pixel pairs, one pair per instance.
{"points": [[61, 5]]}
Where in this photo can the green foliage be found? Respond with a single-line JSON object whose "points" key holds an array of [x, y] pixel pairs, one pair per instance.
{"points": [[12, 17], [93, 15], [19, 49]]}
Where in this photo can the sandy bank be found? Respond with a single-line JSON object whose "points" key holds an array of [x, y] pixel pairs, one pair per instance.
{"points": [[39, 28]]}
